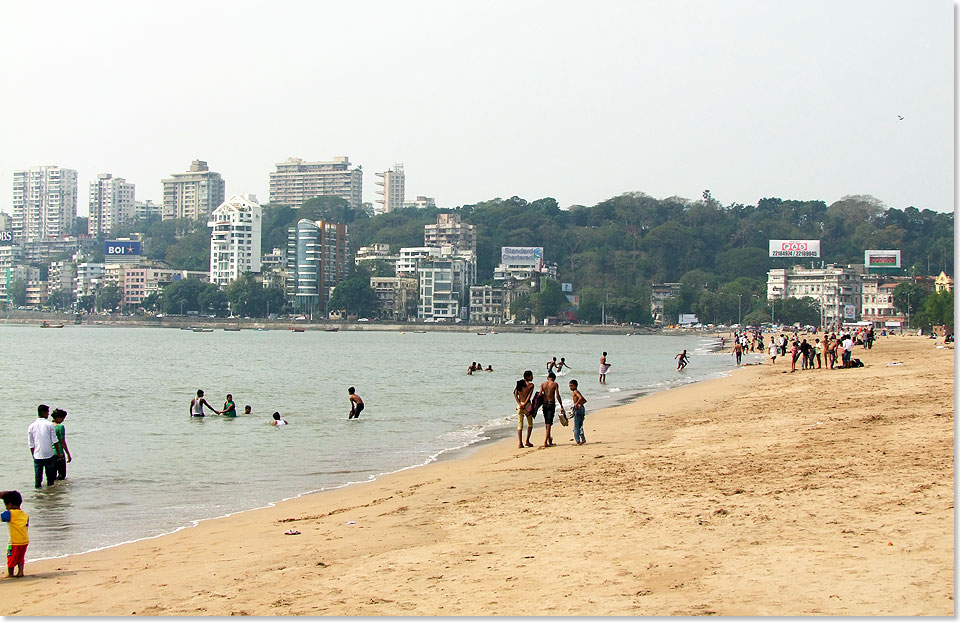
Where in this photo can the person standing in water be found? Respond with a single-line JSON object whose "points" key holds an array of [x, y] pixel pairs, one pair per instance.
{"points": [[356, 404], [229, 407], [561, 365], [604, 367], [682, 359], [197, 404], [551, 364]]}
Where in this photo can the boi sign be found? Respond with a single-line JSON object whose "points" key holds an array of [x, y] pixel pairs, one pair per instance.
{"points": [[113, 248]]}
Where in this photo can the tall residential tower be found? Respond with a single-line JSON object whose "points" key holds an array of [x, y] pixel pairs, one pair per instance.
{"points": [[235, 239], [391, 189], [296, 181], [111, 205], [194, 194], [44, 203]]}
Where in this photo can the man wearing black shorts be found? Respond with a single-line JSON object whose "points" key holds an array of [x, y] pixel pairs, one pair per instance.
{"points": [[551, 395]]}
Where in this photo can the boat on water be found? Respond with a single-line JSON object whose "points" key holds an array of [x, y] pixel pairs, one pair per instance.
{"points": [[46, 324], [263, 330], [420, 331], [232, 330], [297, 330], [331, 330], [202, 330], [481, 333]]}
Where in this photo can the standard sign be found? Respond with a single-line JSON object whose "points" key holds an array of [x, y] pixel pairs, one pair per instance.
{"points": [[794, 248], [881, 259]]}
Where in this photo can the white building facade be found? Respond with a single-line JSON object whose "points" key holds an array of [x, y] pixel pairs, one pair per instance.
{"points": [[112, 205], [450, 230], [44, 203], [235, 239], [392, 184], [837, 288]]}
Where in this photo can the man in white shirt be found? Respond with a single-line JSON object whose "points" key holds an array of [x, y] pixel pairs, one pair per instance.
{"points": [[42, 441], [847, 350]]}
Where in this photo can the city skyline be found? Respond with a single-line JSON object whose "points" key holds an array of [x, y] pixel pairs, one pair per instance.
{"points": [[743, 98]]}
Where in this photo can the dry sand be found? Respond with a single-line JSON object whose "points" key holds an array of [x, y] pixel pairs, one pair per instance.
{"points": [[766, 493]]}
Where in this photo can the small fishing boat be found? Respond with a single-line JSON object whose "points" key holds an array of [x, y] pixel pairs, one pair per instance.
{"points": [[46, 324], [202, 330], [481, 333], [232, 330], [297, 330], [331, 330]]}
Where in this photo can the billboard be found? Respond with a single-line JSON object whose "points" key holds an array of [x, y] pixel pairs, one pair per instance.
{"points": [[566, 287], [849, 312], [881, 259], [523, 255], [6, 237], [125, 248], [794, 248], [688, 318]]}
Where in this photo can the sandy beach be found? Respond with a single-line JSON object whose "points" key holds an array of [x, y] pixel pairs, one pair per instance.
{"points": [[764, 493]]}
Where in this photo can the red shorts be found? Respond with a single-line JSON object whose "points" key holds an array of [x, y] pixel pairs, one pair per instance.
{"points": [[16, 554]]}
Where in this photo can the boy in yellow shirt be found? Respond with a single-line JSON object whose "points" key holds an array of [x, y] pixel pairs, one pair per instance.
{"points": [[18, 521]]}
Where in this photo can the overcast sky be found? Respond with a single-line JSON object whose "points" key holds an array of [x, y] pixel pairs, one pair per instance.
{"points": [[577, 101]]}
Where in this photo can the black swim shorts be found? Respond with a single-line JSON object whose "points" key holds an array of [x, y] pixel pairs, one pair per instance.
{"points": [[548, 411]]}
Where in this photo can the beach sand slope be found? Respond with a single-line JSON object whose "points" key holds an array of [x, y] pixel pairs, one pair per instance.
{"points": [[765, 493]]}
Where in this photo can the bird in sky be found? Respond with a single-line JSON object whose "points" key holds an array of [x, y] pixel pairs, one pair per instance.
{"points": [[899, 117]]}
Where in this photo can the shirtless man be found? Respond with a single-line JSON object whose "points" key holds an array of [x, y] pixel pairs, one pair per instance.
{"points": [[197, 404], [356, 404], [551, 396], [561, 365], [522, 393], [682, 359]]}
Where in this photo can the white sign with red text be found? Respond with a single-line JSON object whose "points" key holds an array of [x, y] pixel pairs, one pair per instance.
{"points": [[794, 248]]}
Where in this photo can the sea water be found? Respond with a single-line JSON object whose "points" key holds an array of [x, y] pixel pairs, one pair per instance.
{"points": [[142, 466]]}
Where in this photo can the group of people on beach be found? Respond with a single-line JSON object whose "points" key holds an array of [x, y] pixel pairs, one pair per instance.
{"points": [[821, 354], [546, 399]]}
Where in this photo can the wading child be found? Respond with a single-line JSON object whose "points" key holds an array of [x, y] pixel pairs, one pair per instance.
{"points": [[63, 452], [579, 412], [18, 522], [356, 404]]}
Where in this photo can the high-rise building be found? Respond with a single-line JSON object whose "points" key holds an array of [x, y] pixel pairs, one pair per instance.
{"points": [[391, 189], [44, 203], [296, 181], [112, 205], [235, 239], [194, 194], [450, 231], [317, 256], [445, 286]]}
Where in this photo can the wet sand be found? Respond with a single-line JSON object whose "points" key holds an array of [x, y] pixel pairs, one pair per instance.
{"points": [[765, 493]]}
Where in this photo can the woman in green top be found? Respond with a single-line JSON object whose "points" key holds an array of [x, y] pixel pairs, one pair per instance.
{"points": [[229, 408]]}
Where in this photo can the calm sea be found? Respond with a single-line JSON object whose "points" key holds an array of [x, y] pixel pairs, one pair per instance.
{"points": [[143, 467]]}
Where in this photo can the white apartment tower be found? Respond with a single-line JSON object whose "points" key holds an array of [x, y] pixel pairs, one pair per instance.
{"points": [[235, 240], [391, 189], [296, 181], [194, 194], [112, 205], [44, 203]]}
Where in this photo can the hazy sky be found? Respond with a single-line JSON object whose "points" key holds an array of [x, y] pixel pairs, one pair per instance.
{"points": [[578, 101]]}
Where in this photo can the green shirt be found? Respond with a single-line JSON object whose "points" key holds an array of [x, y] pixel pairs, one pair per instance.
{"points": [[61, 433]]}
